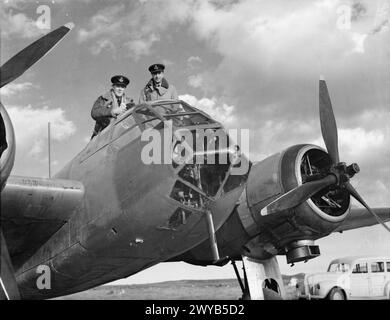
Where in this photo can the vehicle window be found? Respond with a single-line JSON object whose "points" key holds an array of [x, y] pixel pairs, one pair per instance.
{"points": [[338, 267], [333, 267], [360, 268], [388, 266], [377, 267]]}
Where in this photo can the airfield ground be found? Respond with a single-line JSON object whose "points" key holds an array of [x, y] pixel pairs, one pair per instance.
{"points": [[227, 289]]}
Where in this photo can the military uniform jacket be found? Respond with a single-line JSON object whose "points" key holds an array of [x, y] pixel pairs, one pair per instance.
{"points": [[153, 93], [101, 110]]}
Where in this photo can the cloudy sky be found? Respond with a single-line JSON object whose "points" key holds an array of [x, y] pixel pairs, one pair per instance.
{"points": [[251, 64]]}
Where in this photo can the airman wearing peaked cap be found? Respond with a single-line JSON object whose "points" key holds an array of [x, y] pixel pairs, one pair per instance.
{"points": [[111, 104], [158, 67], [120, 80], [158, 87]]}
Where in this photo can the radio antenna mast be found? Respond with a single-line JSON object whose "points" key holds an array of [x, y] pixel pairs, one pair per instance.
{"points": [[48, 141]]}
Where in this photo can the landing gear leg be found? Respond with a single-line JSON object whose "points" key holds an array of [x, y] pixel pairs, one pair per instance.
{"points": [[263, 280], [243, 286], [8, 287]]}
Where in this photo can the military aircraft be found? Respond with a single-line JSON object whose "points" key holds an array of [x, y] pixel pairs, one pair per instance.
{"points": [[107, 215]]}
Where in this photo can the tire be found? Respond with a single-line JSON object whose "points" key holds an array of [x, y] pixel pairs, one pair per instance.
{"points": [[271, 294], [336, 294]]}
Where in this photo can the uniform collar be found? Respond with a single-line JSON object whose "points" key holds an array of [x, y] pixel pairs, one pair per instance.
{"points": [[164, 84], [110, 94]]}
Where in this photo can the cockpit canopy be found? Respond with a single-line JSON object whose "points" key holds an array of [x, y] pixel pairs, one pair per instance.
{"points": [[180, 113]]}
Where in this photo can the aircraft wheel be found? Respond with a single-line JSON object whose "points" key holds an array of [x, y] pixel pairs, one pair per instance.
{"points": [[336, 294], [271, 294]]}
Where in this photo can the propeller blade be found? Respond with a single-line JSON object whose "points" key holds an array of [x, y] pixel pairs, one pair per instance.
{"points": [[300, 194], [328, 123], [356, 195], [23, 60]]}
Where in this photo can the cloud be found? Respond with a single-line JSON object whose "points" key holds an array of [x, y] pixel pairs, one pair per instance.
{"points": [[358, 141], [30, 125], [18, 25], [193, 62], [219, 112], [19, 3], [137, 25], [365, 143], [193, 59], [195, 81], [167, 62], [358, 39], [358, 10], [13, 88], [104, 23], [141, 47], [383, 26], [382, 17], [25, 19], [268, 52], [103, 44]]}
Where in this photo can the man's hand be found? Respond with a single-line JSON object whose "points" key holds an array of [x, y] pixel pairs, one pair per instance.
{"points": [[119, 110], [130, 105]]}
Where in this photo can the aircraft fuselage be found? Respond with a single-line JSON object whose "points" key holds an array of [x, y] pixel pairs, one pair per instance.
{"points": [[128, 219]]}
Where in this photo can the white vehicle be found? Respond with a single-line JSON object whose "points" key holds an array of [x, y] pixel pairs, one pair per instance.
{"points": [[350, 278]]}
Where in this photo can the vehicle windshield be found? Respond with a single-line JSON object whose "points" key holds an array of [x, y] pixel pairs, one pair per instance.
{"points": [[338, 267]]}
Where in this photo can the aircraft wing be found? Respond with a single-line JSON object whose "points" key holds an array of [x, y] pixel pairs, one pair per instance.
{"points": [[359, 218], [33, 209]]}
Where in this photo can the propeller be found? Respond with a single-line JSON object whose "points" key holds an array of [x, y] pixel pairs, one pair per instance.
{"points": [[329, 133], [300, 194], [356, 195], [328, 123], [23, 60], [339, 173]]}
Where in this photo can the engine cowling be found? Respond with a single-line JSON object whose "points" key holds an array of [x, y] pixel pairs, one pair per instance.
{"points": [[7, 146], [291, 232]]}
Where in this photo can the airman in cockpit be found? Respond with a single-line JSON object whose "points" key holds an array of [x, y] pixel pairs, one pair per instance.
{"points": [[158, 87], [111, 104]]}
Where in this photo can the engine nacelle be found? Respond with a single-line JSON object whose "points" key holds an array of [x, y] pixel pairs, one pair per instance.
{"points": [[291, 232], [7, 146]]}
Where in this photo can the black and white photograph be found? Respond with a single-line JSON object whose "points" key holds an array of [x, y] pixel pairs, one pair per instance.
{"points": [[195, 150]]}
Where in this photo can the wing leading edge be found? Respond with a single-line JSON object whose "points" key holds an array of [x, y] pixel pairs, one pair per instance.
{"points": [[33, 209], [359, 218]]}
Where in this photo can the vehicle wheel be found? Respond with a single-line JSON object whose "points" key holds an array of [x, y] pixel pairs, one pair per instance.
{"points": [[336, 294]]}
